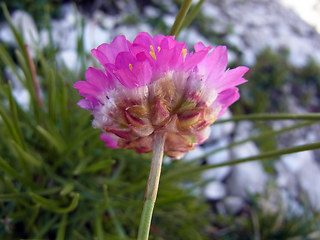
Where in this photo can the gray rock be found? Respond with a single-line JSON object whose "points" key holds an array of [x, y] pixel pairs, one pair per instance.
{"points": [[25, 24], [196, 153], [69, 59], [233, 204], [309, 179], [214, 191], [219, 131], [219, 157], [94, 36], [247, 177]]}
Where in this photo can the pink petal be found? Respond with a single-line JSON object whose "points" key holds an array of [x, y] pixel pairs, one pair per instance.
{"points": [[119, 44], [231, 78], [98, 78], [100, 56], [195, 59], [88, 103], [143, 39], [127, 78], [226, 98], [87, 89], [110, 140], [199, 46], [214, 65], [143, 72], [123, 60]]}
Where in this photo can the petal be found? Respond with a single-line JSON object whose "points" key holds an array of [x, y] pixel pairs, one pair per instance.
{"points": [[100, 56], [88, 103], [127, 78], [199, 46], [226, 98], [231, 78], [87, 89], [98, 78], [143, 72], [124, 59], [195, 59], [119, 44], [215, 64], [110, 140]]}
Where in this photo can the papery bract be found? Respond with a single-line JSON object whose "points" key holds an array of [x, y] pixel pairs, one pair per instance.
{"points": [[156, 84]]}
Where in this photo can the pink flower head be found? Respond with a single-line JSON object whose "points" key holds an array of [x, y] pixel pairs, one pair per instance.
{"points": [[156, 84]]}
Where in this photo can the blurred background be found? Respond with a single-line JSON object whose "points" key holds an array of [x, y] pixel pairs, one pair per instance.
{"points": [[278, 198]]}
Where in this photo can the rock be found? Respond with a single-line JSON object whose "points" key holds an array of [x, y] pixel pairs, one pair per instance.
{"points": [[6, 34], [247, 177], [294, 162], [285, 179], [195, 153], [22, 97], [20, 94], [219, 157], [151, 12], [68, 58], [214, 191], [291, 205], [25, 24], [168, 20], [219, 131], [308, 179], [243, 130], [191, 36], [94, 36], [233, 204]]}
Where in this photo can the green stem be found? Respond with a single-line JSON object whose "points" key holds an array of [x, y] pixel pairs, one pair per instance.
{"points": [[255, 138], [267, 116], [264, 156], [191, 16], [152, 187], [180, 17]]}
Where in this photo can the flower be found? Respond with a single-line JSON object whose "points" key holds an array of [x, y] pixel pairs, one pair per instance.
{"points": [[156, 84]]}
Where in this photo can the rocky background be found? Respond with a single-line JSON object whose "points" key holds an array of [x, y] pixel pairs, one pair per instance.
{"points": [[263, 34]]}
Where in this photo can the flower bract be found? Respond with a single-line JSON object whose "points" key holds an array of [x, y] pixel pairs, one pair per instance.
{"points": [[156, 84]]}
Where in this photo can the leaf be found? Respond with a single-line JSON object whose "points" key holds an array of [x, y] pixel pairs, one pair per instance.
{"points": [[53, 206]]}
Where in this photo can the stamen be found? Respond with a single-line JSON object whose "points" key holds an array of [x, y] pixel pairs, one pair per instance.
{"points": [[152, 53], [159, 49], [184, 52], [130, 66]]}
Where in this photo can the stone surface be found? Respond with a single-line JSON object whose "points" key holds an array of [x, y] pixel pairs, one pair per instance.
{"points": [[214, 191], [233, 204], [309, 179], [25, 24], [219, 157], [219, 131], [247, 178], [196, 153]]}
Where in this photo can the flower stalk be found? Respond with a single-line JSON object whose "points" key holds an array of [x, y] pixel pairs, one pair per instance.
{"points": [[152, 186], [180, 17]]}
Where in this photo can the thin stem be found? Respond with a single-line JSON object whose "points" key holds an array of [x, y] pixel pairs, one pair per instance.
{"points": [[34, 77], [191, 16], [264, 156], [180, 17], [255, 138], [152, 187], [268, 116]]}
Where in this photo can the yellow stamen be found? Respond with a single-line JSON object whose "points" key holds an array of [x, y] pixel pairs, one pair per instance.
{"points": [[130, 66], [184, 52], [152, 53], [159, 49]]}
